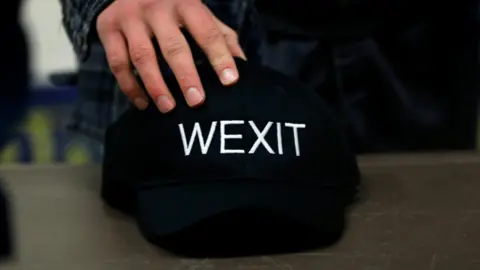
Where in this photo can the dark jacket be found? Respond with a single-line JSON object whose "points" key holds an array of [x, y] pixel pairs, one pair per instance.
{"points": [[403, 76]]}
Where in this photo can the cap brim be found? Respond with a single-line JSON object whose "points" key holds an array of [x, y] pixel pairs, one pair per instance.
{"points": [[168, 209]]}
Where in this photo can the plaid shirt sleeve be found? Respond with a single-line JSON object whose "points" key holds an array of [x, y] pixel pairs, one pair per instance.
{"points": [[100, 101], [79, 19]]}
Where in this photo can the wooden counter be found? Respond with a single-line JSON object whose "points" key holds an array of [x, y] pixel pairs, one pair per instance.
{"points": [[419, 212]]}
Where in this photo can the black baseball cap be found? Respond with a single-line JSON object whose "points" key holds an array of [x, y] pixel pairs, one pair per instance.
{"points": [[267, 142]]}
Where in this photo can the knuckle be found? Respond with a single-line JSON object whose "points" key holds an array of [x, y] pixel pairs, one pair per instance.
{"points": [[141, 54], [118, 64], [221, 62], [156, 12], [186, 4], [155, 90], [128, 88], [174, 47], [232, 35], [185, 78], [209, 36], [147, 5], [129, 91], [105, 22]]}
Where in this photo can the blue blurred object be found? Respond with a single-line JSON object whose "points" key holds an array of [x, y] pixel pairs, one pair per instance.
{"points": [[44, 138], [64, 78], [53, 96]]}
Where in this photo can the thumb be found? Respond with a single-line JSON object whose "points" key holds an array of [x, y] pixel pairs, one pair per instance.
{"points": [[231, 39]]}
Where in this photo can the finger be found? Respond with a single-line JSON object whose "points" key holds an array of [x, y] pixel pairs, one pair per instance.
{"points": [[231, 39], [207, 34], [145, 61], [118, 60], [178, 55]]}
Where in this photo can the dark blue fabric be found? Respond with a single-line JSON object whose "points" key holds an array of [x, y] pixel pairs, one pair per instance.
{"points": [[402, 80]]}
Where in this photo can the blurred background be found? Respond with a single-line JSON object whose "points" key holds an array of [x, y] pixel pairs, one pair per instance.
{"points": [[43, 138]]}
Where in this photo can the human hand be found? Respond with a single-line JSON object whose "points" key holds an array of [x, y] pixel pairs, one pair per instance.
{"points": [[125, 29]]}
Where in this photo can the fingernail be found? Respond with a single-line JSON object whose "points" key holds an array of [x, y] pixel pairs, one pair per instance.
{"points": [[164, 104], [243, 56], [193, 96], [141, 103], [229, 76]]}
